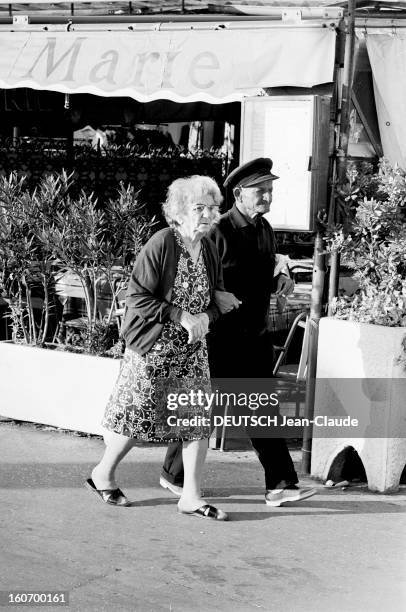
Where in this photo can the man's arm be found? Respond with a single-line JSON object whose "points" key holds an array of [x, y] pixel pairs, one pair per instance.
{"points": [[224, 300]]}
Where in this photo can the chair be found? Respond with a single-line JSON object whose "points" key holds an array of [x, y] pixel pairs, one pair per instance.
{"points": [[293, 376], [301, 270], [68, 328], [289, 371], [120, 289], [119, 311]]}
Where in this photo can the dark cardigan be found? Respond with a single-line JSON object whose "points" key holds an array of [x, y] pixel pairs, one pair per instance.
{"points": [[148, 301]]}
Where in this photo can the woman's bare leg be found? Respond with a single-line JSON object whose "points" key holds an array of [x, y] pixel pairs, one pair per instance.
{"points": [[194, 455], [117, 446]]}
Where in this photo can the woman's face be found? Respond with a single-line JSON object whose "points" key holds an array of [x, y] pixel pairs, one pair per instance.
{"points": [[199, 216]]}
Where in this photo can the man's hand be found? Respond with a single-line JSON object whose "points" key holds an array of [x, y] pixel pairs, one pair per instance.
{"points": [[226, 301], [284, 286], [196, 326]]}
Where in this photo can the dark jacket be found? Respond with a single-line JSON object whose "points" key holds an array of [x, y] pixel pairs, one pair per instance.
{"points": [[247, 253], [148, 301], [240, 345]]}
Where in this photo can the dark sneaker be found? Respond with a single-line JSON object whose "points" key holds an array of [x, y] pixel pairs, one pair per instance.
{"points": [[277, 497]]}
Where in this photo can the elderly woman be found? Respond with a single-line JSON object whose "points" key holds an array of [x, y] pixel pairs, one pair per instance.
{"points": [[169, 306]]}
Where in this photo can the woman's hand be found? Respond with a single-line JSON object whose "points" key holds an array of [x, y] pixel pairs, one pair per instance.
{"points": [[197, 326], [226, 301]]}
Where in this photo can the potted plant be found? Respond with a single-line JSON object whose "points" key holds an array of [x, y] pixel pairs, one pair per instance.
{"points": [[361, 351], [43, 234], [99, 247]]}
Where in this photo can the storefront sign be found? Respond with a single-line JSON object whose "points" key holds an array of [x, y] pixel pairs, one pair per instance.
{"points": [[216, 65]]}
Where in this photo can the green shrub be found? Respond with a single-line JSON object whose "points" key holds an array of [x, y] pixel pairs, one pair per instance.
{"points": [[372, 243]]}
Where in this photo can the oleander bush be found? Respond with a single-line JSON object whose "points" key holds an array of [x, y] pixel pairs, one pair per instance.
{"points": [[44, 233]]}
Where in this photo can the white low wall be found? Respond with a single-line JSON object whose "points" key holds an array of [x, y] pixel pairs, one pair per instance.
{"points": [[55, 388], [366, 354]]}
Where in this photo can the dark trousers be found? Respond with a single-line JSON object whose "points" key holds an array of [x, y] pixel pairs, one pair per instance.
{"points": [[241, 356], [273, 454], [172, 468]]}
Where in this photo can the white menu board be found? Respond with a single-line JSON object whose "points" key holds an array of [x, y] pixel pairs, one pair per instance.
{"points": [[282, 128]]}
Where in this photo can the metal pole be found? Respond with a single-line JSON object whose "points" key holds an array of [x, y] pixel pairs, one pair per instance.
{"points": [[315, 315], [16, 135], [69, 136], [334, 278], [342, 154], [346, 89]]}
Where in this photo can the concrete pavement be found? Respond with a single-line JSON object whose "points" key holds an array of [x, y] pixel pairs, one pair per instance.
{"points": [[338, 551]]}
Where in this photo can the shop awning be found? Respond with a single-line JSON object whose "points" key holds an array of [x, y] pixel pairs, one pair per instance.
{"points": [[213, 65], [387, 52]]}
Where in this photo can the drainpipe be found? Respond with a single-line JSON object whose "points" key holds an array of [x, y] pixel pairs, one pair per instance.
{"points": [[347, 79], [315, 315], [342, 154]]}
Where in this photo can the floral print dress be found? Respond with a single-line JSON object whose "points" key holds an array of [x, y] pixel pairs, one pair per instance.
{"points": [[138, 406]]}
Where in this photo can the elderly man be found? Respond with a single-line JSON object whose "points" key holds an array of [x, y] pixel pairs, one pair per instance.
{"points": [[240, 344]]}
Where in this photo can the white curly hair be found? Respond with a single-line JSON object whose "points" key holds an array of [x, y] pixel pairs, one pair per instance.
{"points": [[184, 192]]}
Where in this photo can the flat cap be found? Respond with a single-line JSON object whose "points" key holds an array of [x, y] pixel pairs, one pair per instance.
{"points": [[251, 173]]}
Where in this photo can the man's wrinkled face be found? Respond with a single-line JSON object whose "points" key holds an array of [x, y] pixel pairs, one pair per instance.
{"points": [[254, 201]]}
